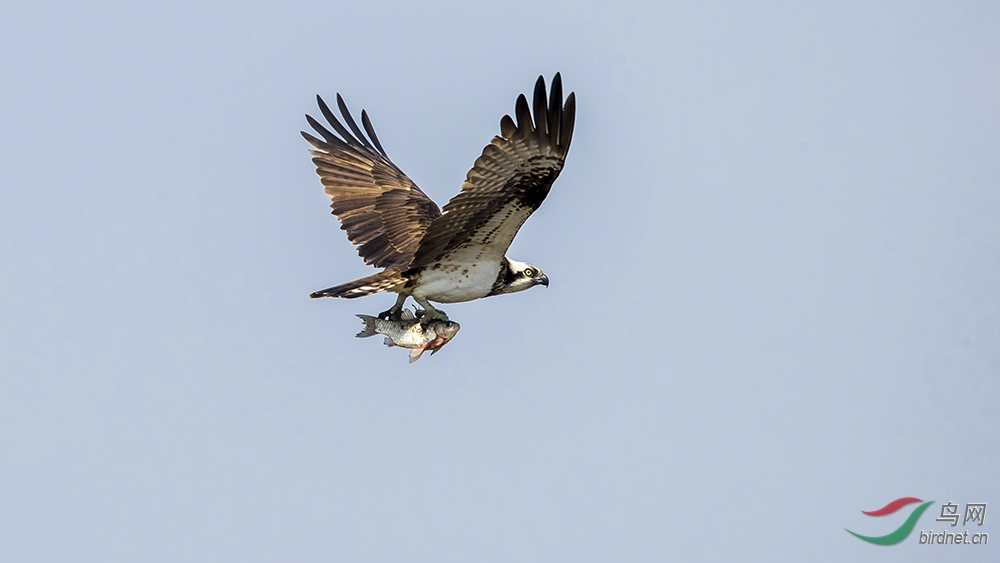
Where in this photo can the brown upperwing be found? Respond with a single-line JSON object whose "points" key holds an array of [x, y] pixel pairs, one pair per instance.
{"points": [[507, 183], [384, 213]]}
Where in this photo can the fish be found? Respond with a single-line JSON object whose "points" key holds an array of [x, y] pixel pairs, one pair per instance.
{"points": [[411, 331]]}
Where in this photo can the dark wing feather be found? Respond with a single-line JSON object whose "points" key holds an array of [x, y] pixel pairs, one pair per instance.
{"points": [[507, 183], [384, 213]]}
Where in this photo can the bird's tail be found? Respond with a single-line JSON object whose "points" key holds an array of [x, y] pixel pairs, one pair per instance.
{"points": [[364, 286]]}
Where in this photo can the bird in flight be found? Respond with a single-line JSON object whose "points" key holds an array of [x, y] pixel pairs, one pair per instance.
{"points": [[454, 255]]}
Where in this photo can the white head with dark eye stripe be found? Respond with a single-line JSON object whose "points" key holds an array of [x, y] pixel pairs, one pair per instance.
{"points": [[517, 276]]}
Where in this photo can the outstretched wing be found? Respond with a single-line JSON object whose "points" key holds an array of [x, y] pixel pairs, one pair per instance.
{"points": [[384, 213], [505, 186]]}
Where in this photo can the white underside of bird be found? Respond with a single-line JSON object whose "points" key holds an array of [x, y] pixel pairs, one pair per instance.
{"points": [[455, 282]]}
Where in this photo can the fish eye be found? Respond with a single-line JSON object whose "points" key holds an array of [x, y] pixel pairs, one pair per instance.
{"points": [[529, 272]]}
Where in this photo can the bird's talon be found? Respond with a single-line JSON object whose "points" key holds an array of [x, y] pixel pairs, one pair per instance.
{"points": [[392, 314]]}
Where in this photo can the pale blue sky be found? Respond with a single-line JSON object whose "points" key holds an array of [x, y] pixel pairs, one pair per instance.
{"points": [[774, 257]]}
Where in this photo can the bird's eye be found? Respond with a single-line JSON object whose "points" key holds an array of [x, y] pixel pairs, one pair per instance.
{"points": [[529, 272]]}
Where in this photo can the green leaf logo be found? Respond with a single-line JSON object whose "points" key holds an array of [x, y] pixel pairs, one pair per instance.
{"points": [[901, 532]]}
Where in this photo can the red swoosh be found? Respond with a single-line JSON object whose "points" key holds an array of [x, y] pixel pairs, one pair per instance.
{"points": [[893, 506]]}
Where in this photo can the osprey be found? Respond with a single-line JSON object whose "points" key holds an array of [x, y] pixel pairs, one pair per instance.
{"points": [[451, 256]]}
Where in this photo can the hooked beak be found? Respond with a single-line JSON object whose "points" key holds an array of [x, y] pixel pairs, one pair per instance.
{"points": [[543, 280]]}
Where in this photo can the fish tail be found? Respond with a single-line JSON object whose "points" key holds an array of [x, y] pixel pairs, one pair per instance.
{"points": [[369, 329], [415, 354]]}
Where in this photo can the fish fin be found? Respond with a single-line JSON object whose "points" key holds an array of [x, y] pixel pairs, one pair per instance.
{"points": [[369, 329], [407, 315], [415, 354], [388, 342]]}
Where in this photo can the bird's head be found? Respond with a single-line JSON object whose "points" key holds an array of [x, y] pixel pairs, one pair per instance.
{"points": [[521, 276]]}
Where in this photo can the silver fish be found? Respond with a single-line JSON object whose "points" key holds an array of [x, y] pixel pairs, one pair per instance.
{"points": [[410, 331]]}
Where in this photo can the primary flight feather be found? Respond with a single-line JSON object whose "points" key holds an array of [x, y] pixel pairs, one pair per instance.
{"points": [[458, 254]]}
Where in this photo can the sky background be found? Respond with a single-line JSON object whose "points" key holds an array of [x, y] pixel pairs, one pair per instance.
{"points": [[774, 255]]}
